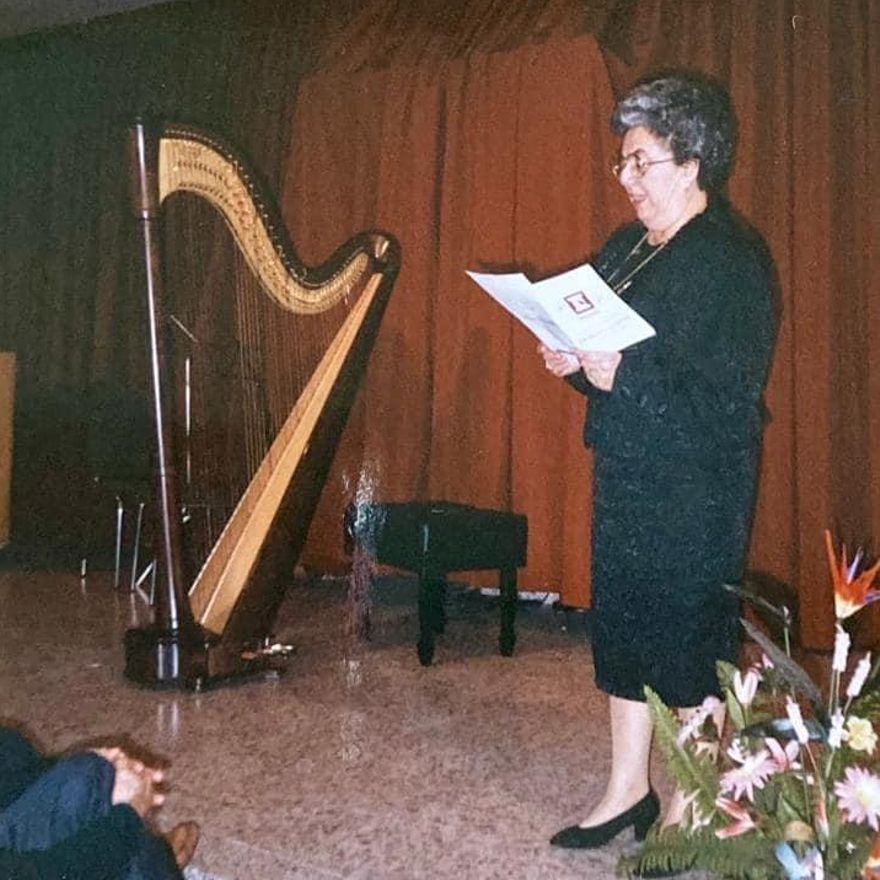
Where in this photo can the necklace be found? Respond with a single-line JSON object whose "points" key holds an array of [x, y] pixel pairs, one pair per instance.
{"points": [[625, 282]]}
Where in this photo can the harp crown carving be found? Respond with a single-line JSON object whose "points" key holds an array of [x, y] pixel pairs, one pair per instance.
{"points": [[192, 163]]}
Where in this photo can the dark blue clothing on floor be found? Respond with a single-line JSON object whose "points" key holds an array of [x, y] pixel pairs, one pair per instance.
{"points": [[99, 850], [20, 765], [58, 822]]}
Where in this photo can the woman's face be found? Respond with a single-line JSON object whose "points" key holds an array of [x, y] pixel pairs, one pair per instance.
{"points": [[660, 195]]}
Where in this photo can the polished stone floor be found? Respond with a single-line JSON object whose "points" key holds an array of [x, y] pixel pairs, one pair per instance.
{"points": [[358, 762]]}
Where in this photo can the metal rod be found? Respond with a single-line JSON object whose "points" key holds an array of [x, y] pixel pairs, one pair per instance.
{"points": [[137, 546], [120, 517], [188, 416], [172, 610]]}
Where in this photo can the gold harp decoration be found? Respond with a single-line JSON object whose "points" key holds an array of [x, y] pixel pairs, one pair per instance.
{"points": [[208, 628], [191, 164]]}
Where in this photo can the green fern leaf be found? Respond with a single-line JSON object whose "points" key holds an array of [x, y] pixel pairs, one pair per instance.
{"points": [[693, 773], [750, 857]]}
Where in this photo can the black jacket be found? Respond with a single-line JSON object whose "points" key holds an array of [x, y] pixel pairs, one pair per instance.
{"points": [[695, 388]]}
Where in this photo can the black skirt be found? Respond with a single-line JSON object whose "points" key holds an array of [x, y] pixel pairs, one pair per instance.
{"points": [[667, 535]]}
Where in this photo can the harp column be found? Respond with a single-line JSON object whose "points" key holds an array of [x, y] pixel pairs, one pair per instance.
{"points": [[173, 615]]}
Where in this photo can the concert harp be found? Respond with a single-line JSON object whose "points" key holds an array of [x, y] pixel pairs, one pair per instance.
{"points": [[225, 555]]}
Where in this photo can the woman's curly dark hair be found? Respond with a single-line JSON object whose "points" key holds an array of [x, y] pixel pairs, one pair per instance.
{"points": [[692, 113]]}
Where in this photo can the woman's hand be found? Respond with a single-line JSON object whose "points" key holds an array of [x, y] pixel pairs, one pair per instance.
{"points": [[600, 367], [560, 363]]}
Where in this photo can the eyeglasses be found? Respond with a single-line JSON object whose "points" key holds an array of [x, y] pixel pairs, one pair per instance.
{"points": [[638, 163]]}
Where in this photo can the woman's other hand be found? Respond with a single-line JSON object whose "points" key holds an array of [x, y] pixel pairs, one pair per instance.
{"points": [[600, 367], [560, 363]]}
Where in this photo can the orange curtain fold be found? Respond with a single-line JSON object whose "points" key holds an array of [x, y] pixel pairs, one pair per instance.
{"points": [[811, 314], [477, 133], [566, 202], [471, 414], [515, 178], [803, 75], [456, 404]]}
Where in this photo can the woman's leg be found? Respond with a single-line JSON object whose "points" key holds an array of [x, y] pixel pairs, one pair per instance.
{"points": [[631, 731]]}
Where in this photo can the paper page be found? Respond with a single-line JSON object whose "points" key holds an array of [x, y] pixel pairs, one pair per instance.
{"points": [[589, 312], [514, 292], [573, 310]]}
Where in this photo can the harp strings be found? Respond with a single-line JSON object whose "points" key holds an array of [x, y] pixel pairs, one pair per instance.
{"points": [[251, 357], [250, 360]]}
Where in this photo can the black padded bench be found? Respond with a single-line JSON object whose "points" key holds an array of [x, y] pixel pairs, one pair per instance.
{"points": [[433, 538]]}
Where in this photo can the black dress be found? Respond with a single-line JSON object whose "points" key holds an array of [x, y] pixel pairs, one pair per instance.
{"points": [[676, 447]]}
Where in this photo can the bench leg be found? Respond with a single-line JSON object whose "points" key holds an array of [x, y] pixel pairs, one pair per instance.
{"points": [[432, 614], [507, 639]]}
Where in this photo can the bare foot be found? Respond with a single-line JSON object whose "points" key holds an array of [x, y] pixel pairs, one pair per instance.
{"points": [[183, 839]]}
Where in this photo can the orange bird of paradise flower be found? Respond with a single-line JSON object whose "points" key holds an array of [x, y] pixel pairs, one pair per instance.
{"points": [[851, 592]]}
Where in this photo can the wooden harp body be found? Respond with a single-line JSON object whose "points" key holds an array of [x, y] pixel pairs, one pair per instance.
{"points": [[225, 557]]}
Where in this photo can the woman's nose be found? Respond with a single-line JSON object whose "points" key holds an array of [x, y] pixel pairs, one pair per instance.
{"points": [[626, 173]]}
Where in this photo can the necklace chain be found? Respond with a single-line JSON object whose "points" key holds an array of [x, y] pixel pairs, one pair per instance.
{"points": [[625, 282]]}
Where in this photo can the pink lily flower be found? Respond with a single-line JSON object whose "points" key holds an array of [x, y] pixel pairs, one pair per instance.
{"points": [[746, 686], [784, 758], [743, 824], [753, 772], [797, 721]]}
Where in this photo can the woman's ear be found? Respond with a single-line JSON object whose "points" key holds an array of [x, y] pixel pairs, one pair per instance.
{"points": [[692, 170]]}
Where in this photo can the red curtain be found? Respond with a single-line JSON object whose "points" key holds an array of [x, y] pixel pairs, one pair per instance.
{"points": [[804, 76], [499, 159], [479, 163], [477, 132]]}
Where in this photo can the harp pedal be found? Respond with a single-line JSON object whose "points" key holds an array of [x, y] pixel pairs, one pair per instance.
{"points": [[268, 650], [158, 659]]}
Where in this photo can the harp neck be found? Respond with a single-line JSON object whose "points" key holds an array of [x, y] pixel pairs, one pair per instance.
{"points": [[192, 161]]}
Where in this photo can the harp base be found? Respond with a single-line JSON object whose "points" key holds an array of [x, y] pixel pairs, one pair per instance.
{"points": [[156, 658]]}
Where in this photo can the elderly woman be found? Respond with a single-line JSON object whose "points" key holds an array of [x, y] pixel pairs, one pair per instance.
{"points": [[675, 427]]}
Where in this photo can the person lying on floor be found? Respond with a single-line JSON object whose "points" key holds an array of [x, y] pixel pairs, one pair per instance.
{"points": [[84, 817]]}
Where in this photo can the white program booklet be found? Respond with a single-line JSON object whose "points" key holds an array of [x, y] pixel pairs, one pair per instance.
{"points": [[573, 310]]}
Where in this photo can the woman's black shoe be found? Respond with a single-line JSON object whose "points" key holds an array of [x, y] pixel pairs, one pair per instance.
{"points": [[641, 816]]}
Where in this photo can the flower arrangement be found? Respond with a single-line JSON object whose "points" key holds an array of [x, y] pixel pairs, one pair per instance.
{"points": [[784, 784]]}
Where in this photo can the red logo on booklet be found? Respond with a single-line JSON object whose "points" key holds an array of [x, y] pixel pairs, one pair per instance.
{"points": [[579, 302]]}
